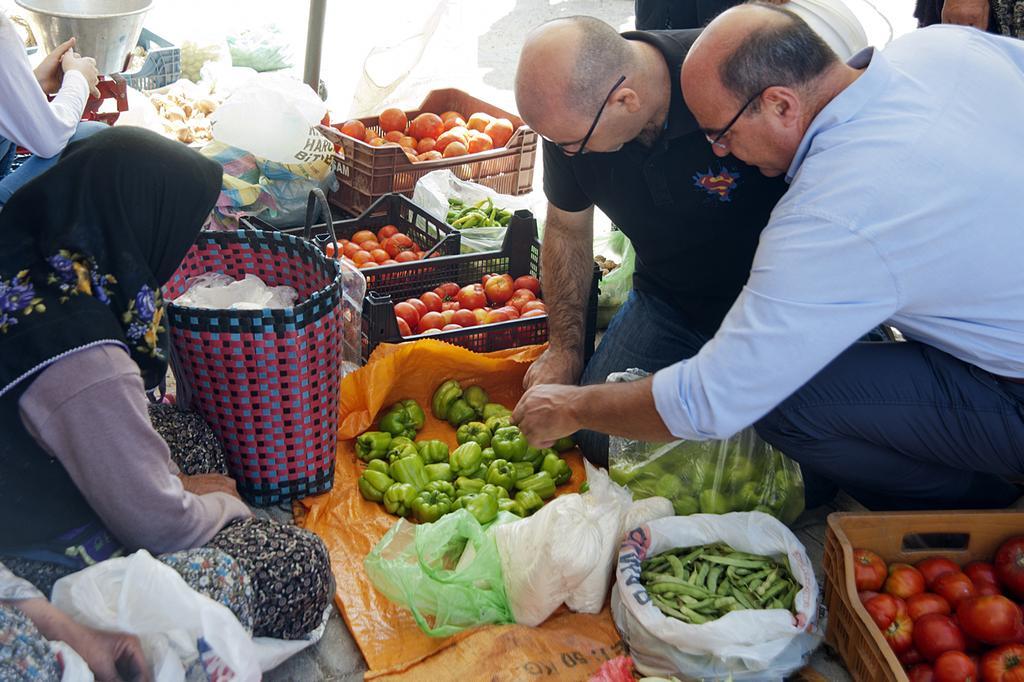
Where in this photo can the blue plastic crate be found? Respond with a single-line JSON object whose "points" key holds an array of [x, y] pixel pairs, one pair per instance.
{"points": [[162, 66]]}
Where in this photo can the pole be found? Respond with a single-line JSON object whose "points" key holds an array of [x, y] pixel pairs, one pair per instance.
{"points": [[314, 43]]}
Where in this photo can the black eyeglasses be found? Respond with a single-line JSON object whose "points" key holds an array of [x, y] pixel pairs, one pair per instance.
{"points": [[720, 134], [582, 143]]}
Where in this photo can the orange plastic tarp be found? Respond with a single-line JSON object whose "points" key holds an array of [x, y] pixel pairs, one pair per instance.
{"points": [[567, 646]]}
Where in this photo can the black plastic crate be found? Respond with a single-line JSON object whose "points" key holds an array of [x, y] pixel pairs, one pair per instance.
{"points": [[519, 255], [430, 233]]}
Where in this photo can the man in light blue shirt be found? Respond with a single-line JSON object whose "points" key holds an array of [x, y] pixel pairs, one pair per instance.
{"points": [[907, 173]]}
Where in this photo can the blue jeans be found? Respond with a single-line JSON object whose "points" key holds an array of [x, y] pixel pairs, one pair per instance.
{"points": [[647, 334], [11, 182], [905, 426]]}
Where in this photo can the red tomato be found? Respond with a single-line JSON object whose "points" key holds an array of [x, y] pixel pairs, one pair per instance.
{"points": [[981, 572], [362, 236], [432, 301], [932, 567], [955, 587], [448, 315], [407, 256], [498, 289], [955, 666], [419, 305], [521, 297], [472, 296], [448, 291], [923, 604], [398, 243], [498, 315], [333, 249], [385, 232], [528, 282], [1005, 664], [868, 570], [899, 634], [936, 634], [464, 318], [534, 305], [910, 657], [390, 261], [992, 620], [431, 320], [369, 245], [922, 672], [512, 312], [379, 255], [483, 280], [865, 595], [431, 331], [350, 249], [451, 327], [480, 314], [904, 581], [1009, 565], [534, 313], [368, 264], [408, 313], [449, 305], [403, 328], [884, 608], [984, 589], [360, 257]]}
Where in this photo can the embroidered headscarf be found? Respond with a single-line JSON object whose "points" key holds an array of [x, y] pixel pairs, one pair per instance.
{"points": [[86, 246]]}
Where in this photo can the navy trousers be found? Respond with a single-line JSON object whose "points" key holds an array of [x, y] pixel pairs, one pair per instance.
{"points": [[904, 426]]}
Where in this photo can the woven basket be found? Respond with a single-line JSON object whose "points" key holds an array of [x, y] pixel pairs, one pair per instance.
{"points": [[266, 381]]}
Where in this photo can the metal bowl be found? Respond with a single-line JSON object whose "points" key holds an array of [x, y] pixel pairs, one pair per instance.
{"points": [[106, 30]]}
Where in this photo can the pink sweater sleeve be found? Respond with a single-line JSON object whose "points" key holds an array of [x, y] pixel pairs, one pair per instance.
{"points": [[88, 410]]}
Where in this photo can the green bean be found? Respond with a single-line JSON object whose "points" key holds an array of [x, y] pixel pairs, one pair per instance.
{"points": [[677, 566]]}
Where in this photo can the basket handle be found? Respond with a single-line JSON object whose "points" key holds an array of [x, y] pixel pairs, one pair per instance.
{"points": [[318, 198]]}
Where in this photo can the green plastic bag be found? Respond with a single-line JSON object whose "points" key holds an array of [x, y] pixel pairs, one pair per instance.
{"points": [[741, 473], [447, 573]]}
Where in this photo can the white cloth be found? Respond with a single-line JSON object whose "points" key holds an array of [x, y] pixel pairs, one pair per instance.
{"points": [[26, 118]]}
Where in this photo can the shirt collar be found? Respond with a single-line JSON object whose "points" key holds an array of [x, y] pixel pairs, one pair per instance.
{"points": [[673, 45], [845, 105]]}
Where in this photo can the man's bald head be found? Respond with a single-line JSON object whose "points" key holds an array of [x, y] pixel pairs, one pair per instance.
{"points": [[566, 65]]}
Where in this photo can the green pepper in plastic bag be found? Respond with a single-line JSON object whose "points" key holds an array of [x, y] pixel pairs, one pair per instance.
{"points": [[419, 568]]}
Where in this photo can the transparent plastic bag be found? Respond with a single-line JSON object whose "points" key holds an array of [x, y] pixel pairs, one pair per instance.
{"points": [[447, 573], [614, 287], [741, 473], [262, 49]]}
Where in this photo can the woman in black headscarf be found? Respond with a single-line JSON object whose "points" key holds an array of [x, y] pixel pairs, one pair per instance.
{"points": [[84, 251]]}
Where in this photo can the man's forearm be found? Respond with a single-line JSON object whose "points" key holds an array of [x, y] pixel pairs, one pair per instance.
{"points": [[621, 409], [566, 274]]}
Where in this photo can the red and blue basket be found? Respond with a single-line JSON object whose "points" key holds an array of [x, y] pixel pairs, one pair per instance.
{"points": [[267, 380]]}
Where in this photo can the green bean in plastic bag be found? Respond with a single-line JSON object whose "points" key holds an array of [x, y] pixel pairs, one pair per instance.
{"points": [[447, 573]]}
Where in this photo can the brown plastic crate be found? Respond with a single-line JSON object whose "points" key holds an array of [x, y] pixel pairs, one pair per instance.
{"points": [[960, 536], [366, 172]]}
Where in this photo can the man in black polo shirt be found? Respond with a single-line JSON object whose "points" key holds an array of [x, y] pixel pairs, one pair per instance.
{"points": [[618, 135]]}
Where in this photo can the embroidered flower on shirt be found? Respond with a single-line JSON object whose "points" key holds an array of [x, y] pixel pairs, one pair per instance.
{"points": [[74, 274], [17, 296], [143, 318]]}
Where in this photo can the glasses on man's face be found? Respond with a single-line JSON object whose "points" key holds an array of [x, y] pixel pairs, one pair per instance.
{"points": [[715, 136], [581, 144]]}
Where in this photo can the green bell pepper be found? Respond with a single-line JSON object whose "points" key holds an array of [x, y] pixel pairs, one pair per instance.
{"points": [[442, 471], [477, 399], [460, 412], [487, 456], [398, 498], [499, 422], [373, 484], [529, 500], [565, 443], [748, 497], [468, 485], [495, 410], [441, 487], [495, 491], [403, 452], [502, 472], [433, 451], [511, 506], [410, 470], [540, 483], [535, 456], [397, 422], [466, 459], [373, 445], [446, 394], [484, 508], [523, 469], [474, 431], [684, 506], [378, 465], [415, 412], [557, 468], [430, 505], [509, 443], [714, 502]]}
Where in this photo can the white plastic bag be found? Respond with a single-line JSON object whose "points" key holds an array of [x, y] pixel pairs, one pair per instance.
{"points": [[435, 188], [566, 551], [143, 596], [741, 645], [274, 117]]}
